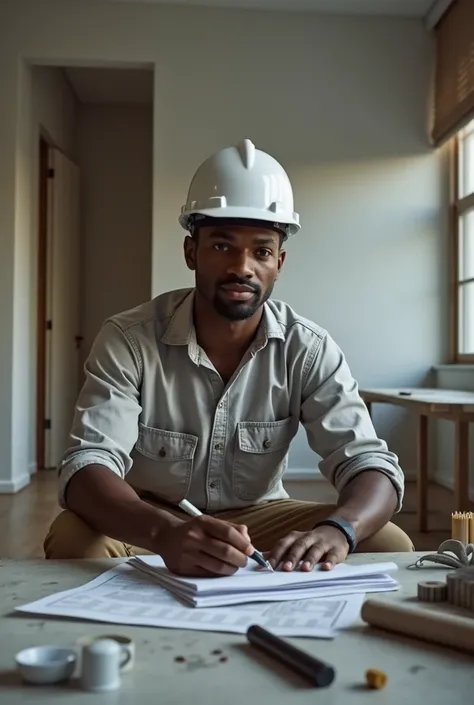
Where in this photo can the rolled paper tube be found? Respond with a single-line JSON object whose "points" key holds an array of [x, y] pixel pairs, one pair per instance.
{"points": [[425, 624]]}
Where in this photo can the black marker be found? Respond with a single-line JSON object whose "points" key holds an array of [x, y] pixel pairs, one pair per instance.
{"points": [[319, 673]]}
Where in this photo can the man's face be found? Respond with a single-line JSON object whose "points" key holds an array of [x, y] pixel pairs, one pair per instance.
{"points": [[236, 267]]}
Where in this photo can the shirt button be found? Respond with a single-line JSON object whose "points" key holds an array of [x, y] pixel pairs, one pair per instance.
{"points": [[266, 443], [218, 446], [212, 485]]}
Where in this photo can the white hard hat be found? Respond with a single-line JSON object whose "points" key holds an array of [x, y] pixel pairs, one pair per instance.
{"points": [[241, 182]]}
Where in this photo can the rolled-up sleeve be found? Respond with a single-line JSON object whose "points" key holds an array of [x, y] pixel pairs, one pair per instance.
{"points": [[337, 422], [105, 425]]}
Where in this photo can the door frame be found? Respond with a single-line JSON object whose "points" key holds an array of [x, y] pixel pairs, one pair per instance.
{"points": [[42, 271]]}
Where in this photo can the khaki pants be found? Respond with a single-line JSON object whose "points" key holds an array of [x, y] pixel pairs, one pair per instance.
{"points": [[70, 537]]}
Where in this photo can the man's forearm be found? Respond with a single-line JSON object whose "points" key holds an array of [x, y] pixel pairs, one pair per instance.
{"points": [[367, 502], [110, 506]]}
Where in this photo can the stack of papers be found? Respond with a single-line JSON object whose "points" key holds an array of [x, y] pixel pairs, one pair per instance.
{"points": [[124, 595], [251, 584]]}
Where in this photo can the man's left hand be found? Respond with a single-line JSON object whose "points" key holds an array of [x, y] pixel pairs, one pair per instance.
{"points": [[325, 544]]}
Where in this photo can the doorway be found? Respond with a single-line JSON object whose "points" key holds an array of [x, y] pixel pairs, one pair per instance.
{"points": [[58, 332], [94, 226]]}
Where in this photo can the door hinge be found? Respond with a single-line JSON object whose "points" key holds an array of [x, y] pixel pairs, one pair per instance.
{"points": [[50, 173], [49, 325], [47, 424]]}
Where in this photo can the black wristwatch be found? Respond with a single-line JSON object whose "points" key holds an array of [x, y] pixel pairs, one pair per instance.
{"points": [[344, 526]]}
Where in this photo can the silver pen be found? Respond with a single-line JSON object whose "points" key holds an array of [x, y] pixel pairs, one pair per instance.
{"points": [[194, 512]]}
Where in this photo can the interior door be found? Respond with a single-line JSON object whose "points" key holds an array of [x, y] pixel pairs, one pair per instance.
{"points": [[62, 303]]}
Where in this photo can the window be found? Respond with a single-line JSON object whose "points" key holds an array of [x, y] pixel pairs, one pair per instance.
{"points": [[453, 115], [463, 217]]}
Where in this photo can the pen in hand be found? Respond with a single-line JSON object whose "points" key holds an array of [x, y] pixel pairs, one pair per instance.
{"points": [[194, 512]]}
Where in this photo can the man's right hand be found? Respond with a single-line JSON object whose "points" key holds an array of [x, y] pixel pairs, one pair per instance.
{"points": [[205, 547]]}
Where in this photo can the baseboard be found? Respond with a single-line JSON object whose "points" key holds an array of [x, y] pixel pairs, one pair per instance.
{"points": [[12, 486], [448, 483], [32, 468]]}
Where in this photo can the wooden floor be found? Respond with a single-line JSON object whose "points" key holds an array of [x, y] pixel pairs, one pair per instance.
{"points": [[26, 516]]}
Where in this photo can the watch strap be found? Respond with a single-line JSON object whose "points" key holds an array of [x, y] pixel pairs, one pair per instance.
{"points": [[345, 527]]}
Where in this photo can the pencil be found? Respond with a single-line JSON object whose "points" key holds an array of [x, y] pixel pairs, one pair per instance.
{"points": [[194, 512]]}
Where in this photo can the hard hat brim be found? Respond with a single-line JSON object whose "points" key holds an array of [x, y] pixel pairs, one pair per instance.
{"points": [[239, 212]]}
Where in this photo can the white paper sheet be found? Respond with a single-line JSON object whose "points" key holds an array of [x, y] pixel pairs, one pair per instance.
{"points": [[123, 595], [251, 583], [377, 583]]}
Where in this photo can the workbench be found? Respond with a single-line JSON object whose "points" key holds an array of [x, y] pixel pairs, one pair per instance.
{"points": [[415, 670], [453, 405]]}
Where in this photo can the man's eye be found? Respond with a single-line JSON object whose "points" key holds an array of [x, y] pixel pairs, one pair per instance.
{"points": [[221, 246], [263, 252]]}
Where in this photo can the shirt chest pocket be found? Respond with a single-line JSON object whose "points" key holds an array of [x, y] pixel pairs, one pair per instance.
{"points": [[166, 465], [260, 456]]}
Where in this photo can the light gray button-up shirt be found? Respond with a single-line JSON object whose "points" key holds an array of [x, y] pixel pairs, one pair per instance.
{"points": [[155, 411]]}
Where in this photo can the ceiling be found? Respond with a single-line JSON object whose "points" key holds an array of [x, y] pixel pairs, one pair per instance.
{"points": [[99, 85], [135, 86], [400, 8]]}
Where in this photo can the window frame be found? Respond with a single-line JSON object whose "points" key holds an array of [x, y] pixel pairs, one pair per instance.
{"points": [[459, 206]]}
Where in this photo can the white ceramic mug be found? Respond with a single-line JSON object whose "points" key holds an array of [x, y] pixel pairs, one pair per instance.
{"points": [[125, 642], [101, 664]]}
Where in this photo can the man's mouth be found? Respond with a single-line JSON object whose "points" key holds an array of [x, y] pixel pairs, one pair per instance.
{"points": [[238, 292]]}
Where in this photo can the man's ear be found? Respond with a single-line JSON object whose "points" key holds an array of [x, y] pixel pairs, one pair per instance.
{"points": [[281, 259], [190, 252]]}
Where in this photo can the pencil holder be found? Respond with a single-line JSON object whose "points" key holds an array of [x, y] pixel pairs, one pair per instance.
{"points": [[462, 527]]}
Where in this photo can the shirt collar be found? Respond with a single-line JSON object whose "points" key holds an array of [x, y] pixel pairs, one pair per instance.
{"points": [[180, 329]]}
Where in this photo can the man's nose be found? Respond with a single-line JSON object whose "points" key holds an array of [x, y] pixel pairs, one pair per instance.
{"points": [[240, 264]]}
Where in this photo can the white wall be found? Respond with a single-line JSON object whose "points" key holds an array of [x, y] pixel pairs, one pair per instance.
{"points": [[342, 102], [54, 115], [55, 108], [48, 107], [115, 156]]}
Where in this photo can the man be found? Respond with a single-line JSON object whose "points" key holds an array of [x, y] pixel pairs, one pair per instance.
{"points": [[198, 394]]}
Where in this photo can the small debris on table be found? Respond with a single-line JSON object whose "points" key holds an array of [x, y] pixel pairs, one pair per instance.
{"points": [[375, 678]]}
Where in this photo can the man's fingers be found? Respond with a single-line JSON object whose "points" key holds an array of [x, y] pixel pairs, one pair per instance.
{"points": [[226, 532], [333, 557], [314, 555], [214, 565], [299, 550], [223, 552], [280, 548], [242, 529]]}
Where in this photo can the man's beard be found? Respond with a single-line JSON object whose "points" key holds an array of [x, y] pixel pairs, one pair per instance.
{"points": [[236, 310]]}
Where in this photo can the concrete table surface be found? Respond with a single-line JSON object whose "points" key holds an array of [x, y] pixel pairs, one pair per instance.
{"points": [[414, 669]]}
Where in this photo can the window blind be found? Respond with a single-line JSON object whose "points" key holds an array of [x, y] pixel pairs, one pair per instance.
{"points": [[454, 77]]}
